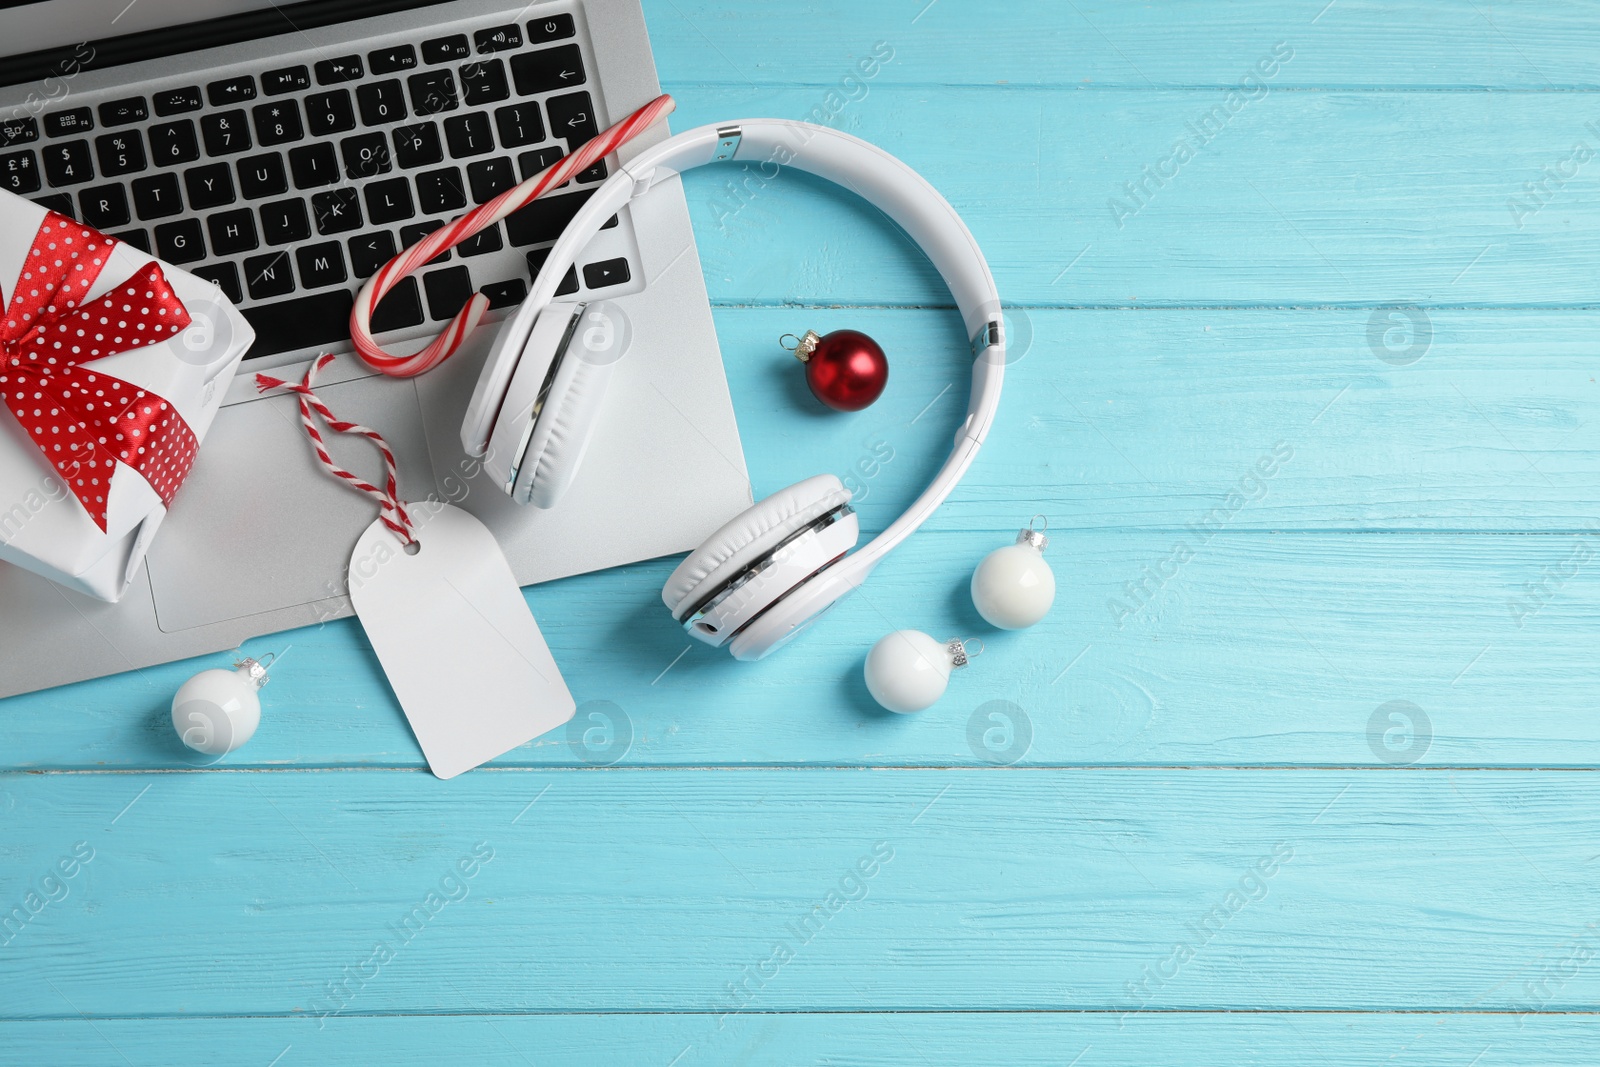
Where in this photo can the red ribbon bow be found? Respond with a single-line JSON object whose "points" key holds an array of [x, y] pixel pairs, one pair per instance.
{"points": [[85, 421]]}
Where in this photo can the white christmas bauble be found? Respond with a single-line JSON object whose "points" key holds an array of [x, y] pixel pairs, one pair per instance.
{"points": [[1014, 587], [218, 710], [908, 671]]}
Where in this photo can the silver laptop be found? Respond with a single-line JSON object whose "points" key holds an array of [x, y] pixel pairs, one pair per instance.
{"points": [[285, 151]]}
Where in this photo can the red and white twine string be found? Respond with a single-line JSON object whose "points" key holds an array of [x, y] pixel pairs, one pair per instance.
{"points": [[391, 510], [480, 218]]}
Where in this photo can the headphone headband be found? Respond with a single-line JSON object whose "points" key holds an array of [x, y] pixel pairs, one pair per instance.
{"points": [[877, 177]]}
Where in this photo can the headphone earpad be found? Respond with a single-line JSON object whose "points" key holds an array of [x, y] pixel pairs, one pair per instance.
{"points": [[748, 535], [563, 428]]}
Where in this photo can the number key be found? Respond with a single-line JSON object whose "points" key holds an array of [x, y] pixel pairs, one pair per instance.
{"points": [[19, 172], [278, 123], [174, 142], [120, 153], [68, 163], [330, 112], [381, 102], [225, 133]]}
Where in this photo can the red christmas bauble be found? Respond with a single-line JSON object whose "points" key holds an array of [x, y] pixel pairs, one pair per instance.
{"points": [[845, 369]]}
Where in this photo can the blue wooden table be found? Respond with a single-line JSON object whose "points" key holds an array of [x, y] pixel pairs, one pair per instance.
{"points": [[1299, 769]]}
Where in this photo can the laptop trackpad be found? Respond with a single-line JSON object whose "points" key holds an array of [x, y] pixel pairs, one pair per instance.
{"points": [[260, 524]]}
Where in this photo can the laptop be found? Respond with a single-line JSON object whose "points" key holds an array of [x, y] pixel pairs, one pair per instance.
{"points": [[285, 152]]}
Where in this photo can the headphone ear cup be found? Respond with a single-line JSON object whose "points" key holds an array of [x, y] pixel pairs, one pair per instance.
{"points": [[563, 428]]}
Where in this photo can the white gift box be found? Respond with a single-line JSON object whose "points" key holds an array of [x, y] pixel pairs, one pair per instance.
{"points": [[43, 526]]}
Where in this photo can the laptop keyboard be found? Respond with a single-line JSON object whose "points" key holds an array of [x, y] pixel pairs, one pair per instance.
{"points": [[289, 185]]}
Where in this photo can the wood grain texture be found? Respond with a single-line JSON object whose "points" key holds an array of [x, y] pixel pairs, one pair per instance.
{"points": [[879, 1039], [251, 893]]}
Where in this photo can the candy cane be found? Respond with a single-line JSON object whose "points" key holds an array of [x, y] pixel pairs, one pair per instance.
{"points": [[387, 497], [479, 218]]}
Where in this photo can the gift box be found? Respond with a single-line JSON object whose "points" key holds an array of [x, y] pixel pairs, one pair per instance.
{"points": [[112, 366]]}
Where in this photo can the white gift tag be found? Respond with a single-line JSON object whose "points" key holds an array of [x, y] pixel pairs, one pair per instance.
{"points": [[456, 639]]}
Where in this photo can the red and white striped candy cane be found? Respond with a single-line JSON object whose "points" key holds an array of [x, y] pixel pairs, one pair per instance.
{"points": [[391, 510], [479, 218]]}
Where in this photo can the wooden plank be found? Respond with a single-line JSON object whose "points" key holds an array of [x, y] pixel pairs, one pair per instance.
{"points": [[898, 1039], [1088, 45], [1296, 198], [1129, 430], [1260, 649], [279, 893]]}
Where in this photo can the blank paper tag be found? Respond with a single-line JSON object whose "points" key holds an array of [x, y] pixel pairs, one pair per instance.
{"points": [[456, 639]]}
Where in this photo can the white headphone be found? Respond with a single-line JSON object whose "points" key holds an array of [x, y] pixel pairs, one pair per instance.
{"points": [[775, 568]]}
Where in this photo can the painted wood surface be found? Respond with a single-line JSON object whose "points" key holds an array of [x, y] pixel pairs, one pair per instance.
{"points": [[1377, 267]]}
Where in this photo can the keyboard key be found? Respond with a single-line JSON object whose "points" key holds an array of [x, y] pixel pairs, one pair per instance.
{"points": [[262, 176], [341, 69], [209, 186], [606, 272], [122, 112], [337, 211], [550, 28], [287, 80], [484, 82], [547, 69], [231, 91], [67, 163], [519, 124], [433, 91], [389, 60], [156, 196], [488, 178], [269, 275], [399, 308], [531, 163], [180, 242], [120, 153], [448, 290], [19, 172], [104, 206], [283, 221], [369, 251], [304, 322], [330, 112], [68, 123], [444, 49], [224, 275], [314, 165], [320, 265], [18, 131], [139, 239], [418, 145], [506, 294], [381, 102], [468, 135], [233, 231], [60, 203], [481, 243], [569, 282], [498, 38], [410, 235], [174, 142], [544, 219], [572, 117], [277, 123], [225, 132], [592, 174], [365, 156], [439, 191], [389, 201], [178, 101]]}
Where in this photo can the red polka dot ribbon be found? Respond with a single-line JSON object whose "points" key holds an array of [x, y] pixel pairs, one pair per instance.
{"points": [[85, 421]]}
